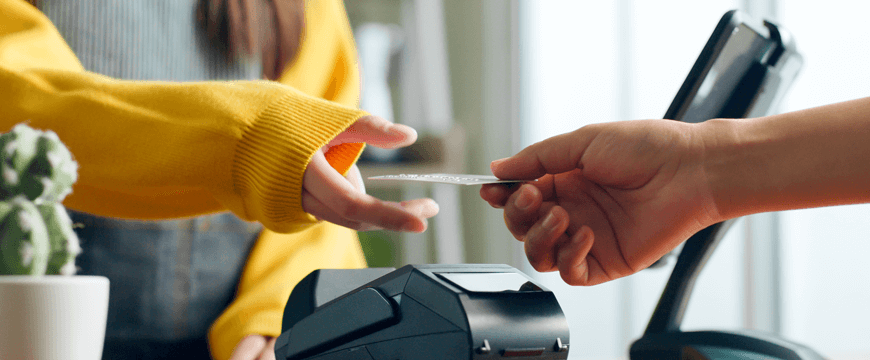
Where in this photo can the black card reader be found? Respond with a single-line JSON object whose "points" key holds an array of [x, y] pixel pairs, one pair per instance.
{"points": [[439, 312]]}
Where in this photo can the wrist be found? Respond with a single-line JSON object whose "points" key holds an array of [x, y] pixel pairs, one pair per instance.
{"points": [[274, 152], [773, 163], [724, 166], [803, 159]]}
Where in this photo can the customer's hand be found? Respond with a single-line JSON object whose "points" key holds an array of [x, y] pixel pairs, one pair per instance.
{"points": [[255, 347], [342, 200], [610, 199]]}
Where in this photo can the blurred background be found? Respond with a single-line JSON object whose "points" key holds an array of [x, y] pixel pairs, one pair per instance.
{"points": [[481, 79]]}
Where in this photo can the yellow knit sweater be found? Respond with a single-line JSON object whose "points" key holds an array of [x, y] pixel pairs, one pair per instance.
{"points": [[158, 150]]}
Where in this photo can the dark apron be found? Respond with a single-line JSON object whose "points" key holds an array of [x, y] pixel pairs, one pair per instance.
{"points": [[169, 280]]}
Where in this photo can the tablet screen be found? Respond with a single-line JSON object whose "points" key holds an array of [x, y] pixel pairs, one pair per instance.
{"points": [[743, 71], [743, 49]]}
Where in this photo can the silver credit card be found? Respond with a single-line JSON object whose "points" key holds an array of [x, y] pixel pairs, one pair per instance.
{"points": [[458, 179]]}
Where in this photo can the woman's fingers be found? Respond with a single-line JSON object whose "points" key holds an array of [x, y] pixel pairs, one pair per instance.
{"points": [[424, 208], [322, 212], [421, 208], [377, 131], [355, 178], [335, 193]]}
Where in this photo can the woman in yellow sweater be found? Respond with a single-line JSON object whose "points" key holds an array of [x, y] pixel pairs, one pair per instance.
{"points": [[273, 152]]}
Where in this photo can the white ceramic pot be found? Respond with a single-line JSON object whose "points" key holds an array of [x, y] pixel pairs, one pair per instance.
{"points": [[53, 317]]}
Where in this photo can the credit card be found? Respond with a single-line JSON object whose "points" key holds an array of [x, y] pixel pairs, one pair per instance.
{"points": [[458, 179]]}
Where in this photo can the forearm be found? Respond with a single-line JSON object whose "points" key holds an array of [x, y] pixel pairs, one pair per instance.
{"points": [[809, 158]]}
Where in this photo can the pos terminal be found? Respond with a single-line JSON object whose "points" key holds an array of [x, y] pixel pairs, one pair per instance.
{"points": [[422, 312]]}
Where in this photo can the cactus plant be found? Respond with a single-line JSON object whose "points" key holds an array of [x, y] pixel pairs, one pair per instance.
{"points": [[36, 173]]}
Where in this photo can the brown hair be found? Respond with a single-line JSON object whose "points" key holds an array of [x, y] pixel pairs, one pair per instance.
{"points": [[271, 28]]}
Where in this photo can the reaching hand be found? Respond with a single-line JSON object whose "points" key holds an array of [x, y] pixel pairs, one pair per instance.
{"points": [[329, 196], [609, 200]]}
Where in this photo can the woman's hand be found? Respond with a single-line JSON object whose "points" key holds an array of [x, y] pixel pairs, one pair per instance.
{"points": [[342, 200], [610, 199], [255, 347]]}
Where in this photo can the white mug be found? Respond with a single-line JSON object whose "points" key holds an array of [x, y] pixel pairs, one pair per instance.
{"points": [[53, 317]]}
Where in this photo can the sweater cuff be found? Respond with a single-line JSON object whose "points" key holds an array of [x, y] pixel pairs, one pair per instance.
{"points": [[275, 150]]}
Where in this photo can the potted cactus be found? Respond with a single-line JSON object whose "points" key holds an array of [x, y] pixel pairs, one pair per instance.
{"points": [[47, 311]]}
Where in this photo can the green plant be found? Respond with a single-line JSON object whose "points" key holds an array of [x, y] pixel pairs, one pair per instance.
{"points": [[36, 234]]}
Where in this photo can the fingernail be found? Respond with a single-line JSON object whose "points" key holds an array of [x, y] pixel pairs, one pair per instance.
{"points": [[549, 221], [401, 130], [495, 163], [524, 200]]}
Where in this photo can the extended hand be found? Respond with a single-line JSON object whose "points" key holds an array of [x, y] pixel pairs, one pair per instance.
{"points": [[610, 199], [329, 196]]}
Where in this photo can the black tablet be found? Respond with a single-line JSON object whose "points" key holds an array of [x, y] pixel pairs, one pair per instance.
{"points": [[743, 71]]}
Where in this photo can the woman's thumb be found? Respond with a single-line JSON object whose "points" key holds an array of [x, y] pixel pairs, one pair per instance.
{"points": [[377, 131]]}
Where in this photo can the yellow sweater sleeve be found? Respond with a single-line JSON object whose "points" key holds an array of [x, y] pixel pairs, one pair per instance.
{"points": [[152, 150], [279, 261]]}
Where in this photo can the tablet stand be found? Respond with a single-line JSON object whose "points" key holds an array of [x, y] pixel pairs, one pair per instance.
{"points": [[663, 338]]}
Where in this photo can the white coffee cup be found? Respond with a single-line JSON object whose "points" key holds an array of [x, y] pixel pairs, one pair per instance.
{"points": [[53, 317]]}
